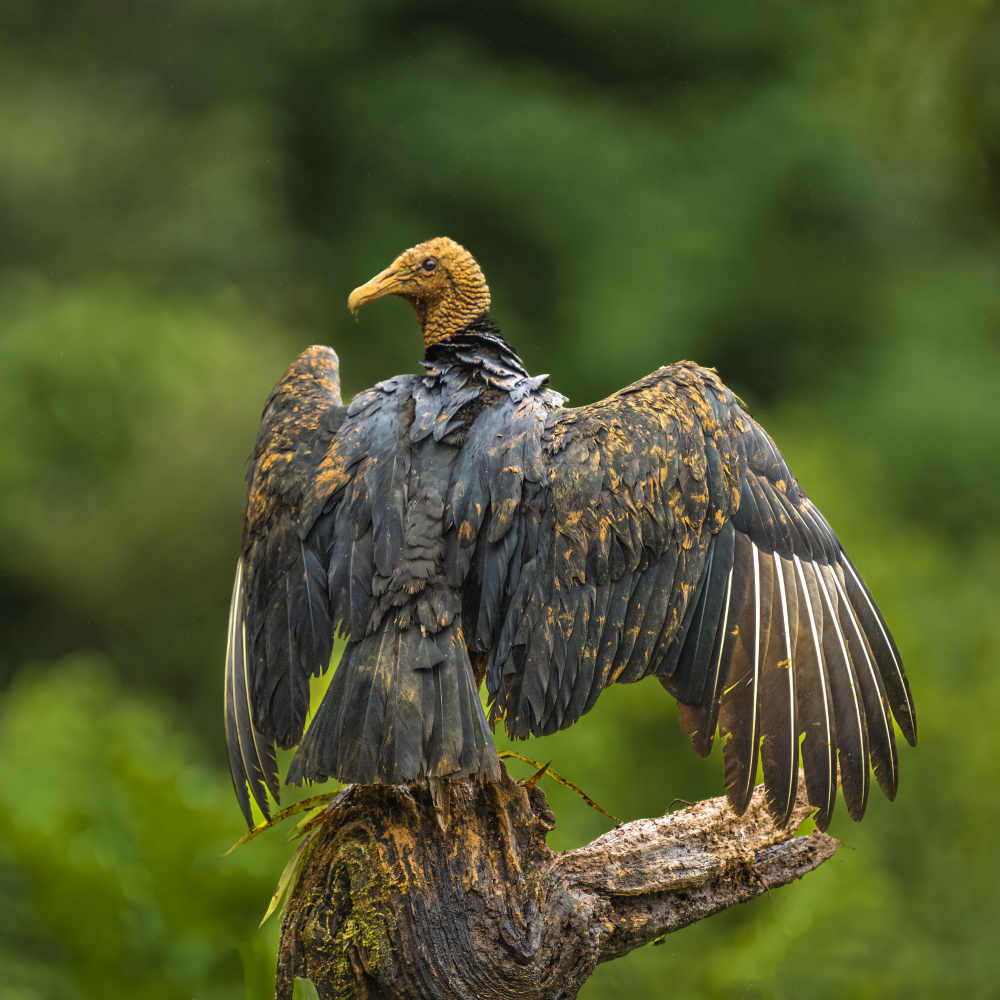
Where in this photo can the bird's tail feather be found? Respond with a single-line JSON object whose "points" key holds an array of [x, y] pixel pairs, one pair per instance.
{"points": [[402, 705]]}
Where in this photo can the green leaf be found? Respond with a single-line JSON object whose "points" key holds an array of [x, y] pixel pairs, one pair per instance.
{"points": [[289, 875], [308, 821], [311, 804], [304, 990]]}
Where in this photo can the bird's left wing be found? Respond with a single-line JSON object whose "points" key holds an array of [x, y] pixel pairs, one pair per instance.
{"points": [[280, 631], [661, 534]]}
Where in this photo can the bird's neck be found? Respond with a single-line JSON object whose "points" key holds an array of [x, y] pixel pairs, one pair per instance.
{"points": [[479, 344], [449, 315]]}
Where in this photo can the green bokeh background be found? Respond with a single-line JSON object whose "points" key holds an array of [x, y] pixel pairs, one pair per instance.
{"points": [[806, 196]]}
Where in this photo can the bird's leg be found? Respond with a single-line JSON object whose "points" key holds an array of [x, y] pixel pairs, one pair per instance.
{"points": [[441, 799]]}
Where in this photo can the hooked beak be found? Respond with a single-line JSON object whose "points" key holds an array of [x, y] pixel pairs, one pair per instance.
{"points": [[387, 282]]}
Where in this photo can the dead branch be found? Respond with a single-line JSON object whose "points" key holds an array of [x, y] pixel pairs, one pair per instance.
{"points": [[390, 906]]}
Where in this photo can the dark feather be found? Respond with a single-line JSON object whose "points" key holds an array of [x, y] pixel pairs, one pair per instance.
{"points": [[765, 523], [779, 753], [695, 661], [664, 585], [491, 592], [848, 710], [589, 684], [626, 667], [881, 737], [611, 635], [685, 595], [575, 631], [251, 758], [786, 535], [815, 701], [700, 720], [739, 718]]}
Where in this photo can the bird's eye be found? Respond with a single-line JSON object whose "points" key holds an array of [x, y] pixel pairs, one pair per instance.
{"points": [[429, 264]]}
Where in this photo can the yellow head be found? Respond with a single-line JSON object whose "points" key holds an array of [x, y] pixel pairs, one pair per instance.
{"points": [[440, 279]]}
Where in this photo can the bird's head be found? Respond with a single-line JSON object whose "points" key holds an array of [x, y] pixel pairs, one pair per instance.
{"points": [[440, 279]]}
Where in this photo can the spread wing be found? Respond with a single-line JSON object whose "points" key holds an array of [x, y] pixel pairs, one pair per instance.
{"points": [[328, 533], [666, 537], [280, 629]]}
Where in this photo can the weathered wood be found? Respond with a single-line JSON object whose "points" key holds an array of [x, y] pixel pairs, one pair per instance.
{"points": [[389, 905]]}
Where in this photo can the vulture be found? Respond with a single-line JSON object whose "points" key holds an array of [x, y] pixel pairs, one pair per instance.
{"points": [[463, 525]]}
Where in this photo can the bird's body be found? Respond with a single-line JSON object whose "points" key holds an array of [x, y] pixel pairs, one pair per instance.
{"points": [[462, 524]]}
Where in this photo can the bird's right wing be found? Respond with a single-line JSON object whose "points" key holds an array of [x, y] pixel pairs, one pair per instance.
{"points": [[279, 621]]}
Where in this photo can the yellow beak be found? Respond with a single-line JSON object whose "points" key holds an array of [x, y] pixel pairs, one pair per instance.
{"points": [[387, 282]]}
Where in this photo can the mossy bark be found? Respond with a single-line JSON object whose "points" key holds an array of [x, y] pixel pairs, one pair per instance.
{"points": [[390, 905]]}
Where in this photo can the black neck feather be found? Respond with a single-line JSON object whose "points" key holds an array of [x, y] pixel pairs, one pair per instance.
{"points": [[480, 339]]}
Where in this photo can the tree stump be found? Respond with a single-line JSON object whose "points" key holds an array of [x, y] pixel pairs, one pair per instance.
{"points": [[390, 905]]}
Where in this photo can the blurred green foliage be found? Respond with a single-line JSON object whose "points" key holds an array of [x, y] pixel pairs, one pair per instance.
{"points": [[805, 196], [112, 832]]}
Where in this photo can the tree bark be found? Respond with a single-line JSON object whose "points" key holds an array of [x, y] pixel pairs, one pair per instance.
{"points": [[389, 905]]}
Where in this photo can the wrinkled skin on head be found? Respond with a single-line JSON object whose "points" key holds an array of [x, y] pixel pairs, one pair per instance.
{"points": [[440, 279]]}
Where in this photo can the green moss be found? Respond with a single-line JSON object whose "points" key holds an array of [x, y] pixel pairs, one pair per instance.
{"points": [[361, 898]]}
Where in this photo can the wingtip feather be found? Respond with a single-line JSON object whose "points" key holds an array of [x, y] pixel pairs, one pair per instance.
{"points": [[253, 771]]}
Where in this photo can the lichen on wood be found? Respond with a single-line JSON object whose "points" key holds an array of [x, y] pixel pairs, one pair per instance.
{"points": [[389, 905]]}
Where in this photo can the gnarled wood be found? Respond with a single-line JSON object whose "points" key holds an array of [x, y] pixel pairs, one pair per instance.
{"points": [[389, 905]]}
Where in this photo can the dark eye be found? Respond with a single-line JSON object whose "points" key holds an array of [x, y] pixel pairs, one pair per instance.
{"points": [[429, 264]]}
